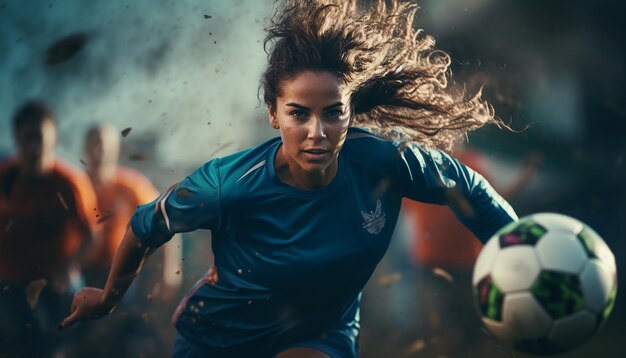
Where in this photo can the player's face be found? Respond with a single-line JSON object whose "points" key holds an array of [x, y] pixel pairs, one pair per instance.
{"points": [[36, 144], [312, 113], [102, 147]]}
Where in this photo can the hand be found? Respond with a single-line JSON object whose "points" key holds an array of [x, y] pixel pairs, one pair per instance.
{"points": [[88, 304]]}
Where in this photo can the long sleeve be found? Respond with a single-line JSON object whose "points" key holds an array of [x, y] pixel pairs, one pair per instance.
{"points": [[434, 177], [192, 204]]}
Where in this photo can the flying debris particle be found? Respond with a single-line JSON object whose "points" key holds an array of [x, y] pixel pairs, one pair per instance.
{"points": [[416, 346], [8, 226], [207, 16], [145, 317], [149, 297], [443, 274], [83, 162], [65, 49], [137, 157], [239, 271], [249, 302], [62, 200], [6, 288], [201, 303], [126, 131], [33, 290], [388, 280]]}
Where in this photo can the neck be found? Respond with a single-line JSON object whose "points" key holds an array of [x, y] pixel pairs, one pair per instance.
{"points": [[292, 174], [102, 174]]}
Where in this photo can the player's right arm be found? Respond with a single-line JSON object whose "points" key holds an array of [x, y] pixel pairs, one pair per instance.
{"points": [[91, 303], [191, 204]]}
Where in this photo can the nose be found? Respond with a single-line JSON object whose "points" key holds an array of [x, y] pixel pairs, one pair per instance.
{"points": [[317, 131]]}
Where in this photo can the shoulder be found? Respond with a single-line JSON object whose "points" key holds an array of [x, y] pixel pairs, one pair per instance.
{"points": [[233, 167], [69, 172], [136, 182], [368, 149], [76, 177], [475, 160], [131, 178]]}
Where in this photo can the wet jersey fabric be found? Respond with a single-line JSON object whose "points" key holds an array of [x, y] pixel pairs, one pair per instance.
{"points": [[289, 263]]}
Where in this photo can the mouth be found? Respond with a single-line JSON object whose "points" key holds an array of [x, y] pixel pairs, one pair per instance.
{"points": [[316, 153]]}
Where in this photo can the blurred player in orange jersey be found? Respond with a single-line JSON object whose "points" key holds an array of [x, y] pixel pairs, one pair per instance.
{"points": [[46, 217], [441, 246], [119, 190]]}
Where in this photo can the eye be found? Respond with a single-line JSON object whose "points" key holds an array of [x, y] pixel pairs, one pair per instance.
{"points": [[299, 114], [334, 113]]}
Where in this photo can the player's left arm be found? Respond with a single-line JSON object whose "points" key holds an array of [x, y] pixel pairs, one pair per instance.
{"points": [[433, 176]]}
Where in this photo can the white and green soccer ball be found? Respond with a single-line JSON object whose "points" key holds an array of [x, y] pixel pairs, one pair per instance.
{"points": [[546, 283]]}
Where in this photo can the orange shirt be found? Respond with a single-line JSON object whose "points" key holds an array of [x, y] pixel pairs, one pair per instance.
{"points": [[439, 239], [117, 201], [44, 220]]}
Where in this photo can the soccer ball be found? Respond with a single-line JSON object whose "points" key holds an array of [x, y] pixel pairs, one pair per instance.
{"points": [[545, 284]]}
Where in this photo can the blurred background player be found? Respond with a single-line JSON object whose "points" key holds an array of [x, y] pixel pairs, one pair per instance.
{"points": [[119, 191], [46, 217]]}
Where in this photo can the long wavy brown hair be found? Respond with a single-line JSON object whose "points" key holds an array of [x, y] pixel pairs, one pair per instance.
{"points": [[398, 80]]}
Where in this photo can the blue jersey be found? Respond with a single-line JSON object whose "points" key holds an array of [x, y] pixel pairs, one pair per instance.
{"points": [[291, 263]]}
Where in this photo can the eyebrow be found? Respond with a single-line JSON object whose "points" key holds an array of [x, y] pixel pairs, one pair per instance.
{"points": [[299, 106]]}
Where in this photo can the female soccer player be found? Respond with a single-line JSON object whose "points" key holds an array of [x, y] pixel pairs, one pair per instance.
{"points": [[300, 222]]}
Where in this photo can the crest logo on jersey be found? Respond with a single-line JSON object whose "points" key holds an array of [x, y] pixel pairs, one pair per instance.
{"points": [[374, 221]]}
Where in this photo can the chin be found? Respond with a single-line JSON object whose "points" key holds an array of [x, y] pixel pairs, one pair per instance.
{"points": [[314, 166]]}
